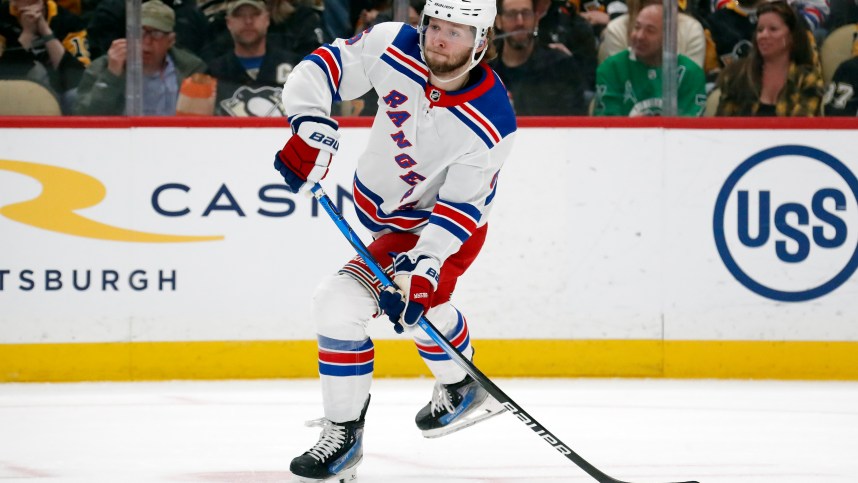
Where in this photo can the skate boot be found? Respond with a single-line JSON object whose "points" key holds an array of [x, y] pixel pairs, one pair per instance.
{"points": [[456, 406], [336, 456]]}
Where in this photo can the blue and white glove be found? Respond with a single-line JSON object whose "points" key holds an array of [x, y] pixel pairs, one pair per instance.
{"points": [[305, 158], [417, 279]]}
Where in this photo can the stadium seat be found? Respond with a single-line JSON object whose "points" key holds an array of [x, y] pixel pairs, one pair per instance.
{"points": [[836, 48], [27, 98]]}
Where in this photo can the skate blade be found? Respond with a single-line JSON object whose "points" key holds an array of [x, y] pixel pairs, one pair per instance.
{"points": [[345, 476], [489, 409]]}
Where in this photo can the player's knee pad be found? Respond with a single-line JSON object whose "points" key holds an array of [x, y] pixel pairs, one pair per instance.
{"points": [[342, 307]]}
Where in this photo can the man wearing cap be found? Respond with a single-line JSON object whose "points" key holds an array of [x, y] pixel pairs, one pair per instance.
{"points": [[250, 78], [102, 89]]}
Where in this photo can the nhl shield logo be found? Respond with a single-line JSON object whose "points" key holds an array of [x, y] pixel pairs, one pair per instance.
{"points": [[434, 95]]}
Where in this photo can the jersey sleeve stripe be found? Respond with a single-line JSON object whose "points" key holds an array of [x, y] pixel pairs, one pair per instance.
{"points": [[464, 209], [327, 58], [463, 216], [450, 226]]}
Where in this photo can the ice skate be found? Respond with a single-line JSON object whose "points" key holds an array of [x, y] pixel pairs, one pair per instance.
{"points": [[336, 456], [456, 406]]}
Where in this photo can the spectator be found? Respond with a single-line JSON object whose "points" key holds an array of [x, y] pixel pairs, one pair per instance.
{"points": [[107, 23], [19, 64], [415, 7], [629, 83], [297, 25], [540, 81], [335, 18], [251, 77], [561, 27], [81, 8], [814, 12], [597, 12], [841, 97], [699, 9], [843, 12], [43, 42], [102, 90], [690, 38], [368, 11], [732, 29], [778, 77]]}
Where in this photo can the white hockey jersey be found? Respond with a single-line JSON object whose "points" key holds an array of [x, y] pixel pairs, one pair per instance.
{"points": [[432, 163]]}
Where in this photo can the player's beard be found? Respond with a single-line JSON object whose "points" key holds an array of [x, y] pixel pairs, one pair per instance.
{"points": [[440, 66]]}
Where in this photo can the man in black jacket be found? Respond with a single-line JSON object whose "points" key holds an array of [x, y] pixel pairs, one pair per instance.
{"points": [[541, 81], [251, 77]]}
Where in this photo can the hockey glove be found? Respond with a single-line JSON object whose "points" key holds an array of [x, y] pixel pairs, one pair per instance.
{"points": [[417, 279], [305, 158]]}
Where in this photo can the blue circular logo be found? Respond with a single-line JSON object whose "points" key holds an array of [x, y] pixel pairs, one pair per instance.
{"points": [[718, 224]]}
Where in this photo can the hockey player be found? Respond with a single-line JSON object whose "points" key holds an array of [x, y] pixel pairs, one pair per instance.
{"points": [[423, 188]]}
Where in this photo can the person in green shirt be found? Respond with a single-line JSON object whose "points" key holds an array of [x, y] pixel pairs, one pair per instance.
{"points": [[629, 83]]}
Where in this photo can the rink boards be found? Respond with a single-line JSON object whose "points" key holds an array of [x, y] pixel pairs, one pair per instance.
{"points": [[669, 250]]}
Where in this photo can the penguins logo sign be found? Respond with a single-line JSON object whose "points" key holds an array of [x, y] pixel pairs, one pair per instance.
{"points": [[254, 102]]}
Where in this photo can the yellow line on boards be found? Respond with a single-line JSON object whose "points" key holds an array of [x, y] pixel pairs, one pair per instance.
{"points": [[141, 361]]}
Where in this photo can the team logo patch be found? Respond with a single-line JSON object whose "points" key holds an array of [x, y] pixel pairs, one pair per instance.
{"points": [[435, 95]]}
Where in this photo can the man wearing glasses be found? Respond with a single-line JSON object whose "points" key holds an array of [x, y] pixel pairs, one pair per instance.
{"points": [[541, 81], [102, 89]]}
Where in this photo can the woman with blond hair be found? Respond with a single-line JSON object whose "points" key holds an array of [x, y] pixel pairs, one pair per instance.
{"points": [[779, 77]]}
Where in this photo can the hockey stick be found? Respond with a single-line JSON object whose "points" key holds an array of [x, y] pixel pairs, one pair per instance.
{"points": [[451, 351]]}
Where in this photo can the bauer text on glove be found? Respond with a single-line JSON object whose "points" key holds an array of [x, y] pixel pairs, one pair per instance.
{"points": [[305, 158]]}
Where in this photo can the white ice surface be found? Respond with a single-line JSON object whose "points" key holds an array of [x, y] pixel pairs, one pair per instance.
{"points": [[247, 431]]}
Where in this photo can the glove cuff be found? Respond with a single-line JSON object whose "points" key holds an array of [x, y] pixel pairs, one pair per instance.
{"points": [[296, 121], [423, 266], [317, 132]]}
